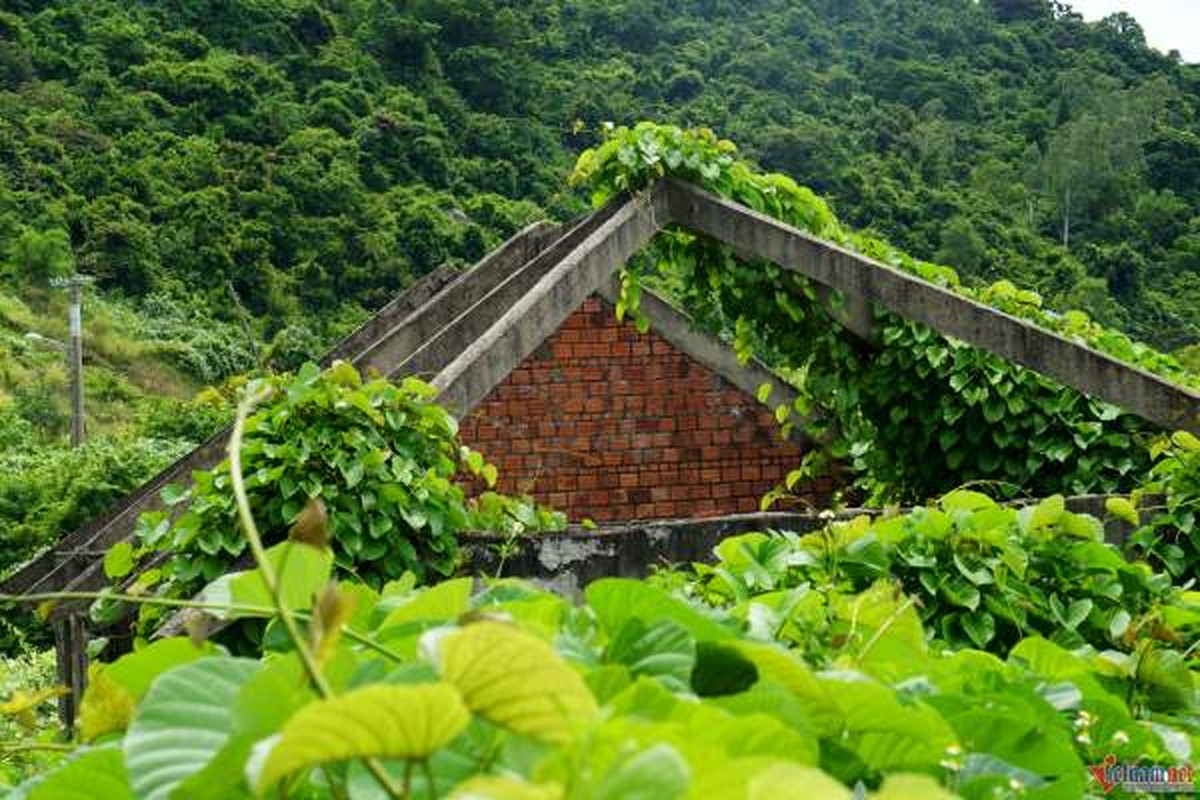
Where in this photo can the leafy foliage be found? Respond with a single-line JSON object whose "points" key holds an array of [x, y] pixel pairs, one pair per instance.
{"points": [[382, 459], [476, 704], [308, 154], [28, 714], [980, 417], [982, 575], [46, 492], [1171, 534]]}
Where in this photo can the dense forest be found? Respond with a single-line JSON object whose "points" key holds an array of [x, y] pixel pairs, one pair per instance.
{"points": [[310, 154], [246, 179]]}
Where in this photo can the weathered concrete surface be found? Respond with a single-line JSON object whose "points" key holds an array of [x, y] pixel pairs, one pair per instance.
{"points": [[392, 314], [1073, 364], [571, 560], [396, 343], [458, 331], [538, 313]]}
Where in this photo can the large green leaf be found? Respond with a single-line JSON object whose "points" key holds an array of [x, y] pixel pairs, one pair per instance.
{"points": [[1047, 658], [95, 773], [114, 689], [663, 650], [186, 719], [302, 571], [616, 600], [793, 674], [785, 781], [658, 773], [889, 641], [441, 603], [885, 732], [515, 680], [1017, 727], [380, 721], [746, 735], [272, 694]]}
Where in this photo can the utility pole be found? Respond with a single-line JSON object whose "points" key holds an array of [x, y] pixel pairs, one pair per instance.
{"points": [[75, 284]]}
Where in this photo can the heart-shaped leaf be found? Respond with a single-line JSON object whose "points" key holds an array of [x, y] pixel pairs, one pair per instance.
{"points": [[663, 650], [515, 680], [379, 721], [302, 571], [186, 719]]}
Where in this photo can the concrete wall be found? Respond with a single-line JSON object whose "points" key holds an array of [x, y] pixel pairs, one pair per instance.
{"points": [[571, 560]]}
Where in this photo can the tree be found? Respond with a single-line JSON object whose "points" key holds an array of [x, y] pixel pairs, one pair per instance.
{"points": [[1094, 161], [1020, 10], [37, 256], [962, 246]]}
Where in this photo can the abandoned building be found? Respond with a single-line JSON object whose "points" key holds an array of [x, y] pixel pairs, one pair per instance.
{"points": [[586, 414]]}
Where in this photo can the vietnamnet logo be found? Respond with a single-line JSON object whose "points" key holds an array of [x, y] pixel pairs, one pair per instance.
{"points": [[1138, 778]]}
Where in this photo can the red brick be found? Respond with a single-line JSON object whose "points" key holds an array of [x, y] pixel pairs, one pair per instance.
{"points": [[599, 407]]}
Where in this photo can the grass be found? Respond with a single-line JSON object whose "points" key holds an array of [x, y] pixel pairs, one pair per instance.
{"points": [[121, 371]]}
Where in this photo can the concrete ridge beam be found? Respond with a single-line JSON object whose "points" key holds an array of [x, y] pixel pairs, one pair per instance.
{"points": [[392, 314], [395, 343], [457, 331], [1021, 342], [485, 362]]}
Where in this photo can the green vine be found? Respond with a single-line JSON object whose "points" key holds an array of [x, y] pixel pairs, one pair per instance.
{"points": [[382, 459], [914, 413], [1168, 534]]}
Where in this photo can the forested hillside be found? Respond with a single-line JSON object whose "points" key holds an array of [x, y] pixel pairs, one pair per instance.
{"points": [[247, 178], [313, 154]]}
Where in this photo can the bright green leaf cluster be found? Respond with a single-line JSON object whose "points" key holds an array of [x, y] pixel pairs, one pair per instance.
{"points": [[984, 576], [382, 457], [511, 691]]}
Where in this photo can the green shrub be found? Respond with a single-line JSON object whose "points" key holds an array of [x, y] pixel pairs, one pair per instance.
{"points": [[190, 421], [29, 714], [48, 492], [16, 432], [1171, 533], [382, 458], [981, 575], [189, 337], [37, 256], [42, 406]]}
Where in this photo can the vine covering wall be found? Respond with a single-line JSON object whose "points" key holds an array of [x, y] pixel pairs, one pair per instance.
{"points": [[915, 412]]}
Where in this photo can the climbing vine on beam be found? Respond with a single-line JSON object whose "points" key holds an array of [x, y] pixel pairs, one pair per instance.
{"points": [[912, 411]]}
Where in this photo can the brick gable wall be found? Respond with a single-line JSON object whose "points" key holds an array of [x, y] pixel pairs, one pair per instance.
{"points": [[607, 423]]}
